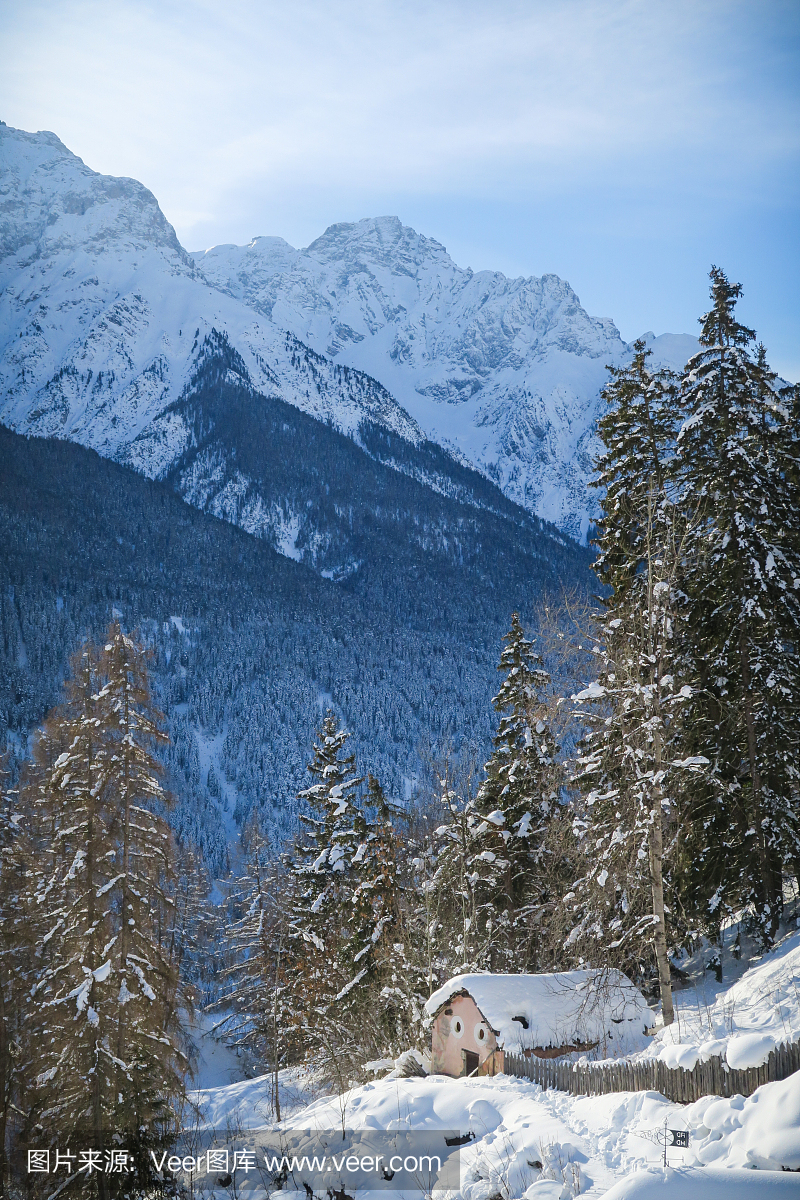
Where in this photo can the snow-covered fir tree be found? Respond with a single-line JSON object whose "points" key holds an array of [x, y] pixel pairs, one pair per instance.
{"points": [[328, 839], [362, 989], [457, 943], [382, 926], [426, 909], [105, 998], [638, 431], [323, 946], [632, 769], [513, 812], [741, 575]]}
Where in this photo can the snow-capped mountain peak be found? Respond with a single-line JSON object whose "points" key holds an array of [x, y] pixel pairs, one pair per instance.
{"points": [[506, 372], [102, 313], [68, 207], [103, 316]]}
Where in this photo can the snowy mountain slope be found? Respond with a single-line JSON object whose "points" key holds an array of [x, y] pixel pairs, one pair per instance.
{"points": [[505, 371], [102, 315], [374, 502], [250, 646]]}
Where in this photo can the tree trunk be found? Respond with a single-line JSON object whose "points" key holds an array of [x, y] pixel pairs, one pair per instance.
{"points": [[660, 933], [126, 896], [755, 781], [275, 1032], [656, 848], [91, 849]]}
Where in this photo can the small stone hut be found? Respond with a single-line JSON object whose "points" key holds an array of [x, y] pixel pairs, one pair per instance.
{"points": [[476, 1019]]}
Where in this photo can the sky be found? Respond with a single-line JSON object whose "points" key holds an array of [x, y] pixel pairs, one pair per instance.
{"points": [[624, 145]]}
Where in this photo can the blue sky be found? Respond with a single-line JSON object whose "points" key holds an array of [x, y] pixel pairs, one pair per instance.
{"points": [[624, 145]]}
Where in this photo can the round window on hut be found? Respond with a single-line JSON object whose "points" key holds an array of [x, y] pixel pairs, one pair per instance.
{"points": [[480, 1033], [457, 1027]]}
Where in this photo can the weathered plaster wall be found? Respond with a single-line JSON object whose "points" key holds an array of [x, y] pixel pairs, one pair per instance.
{"points": [[463, 1029]]}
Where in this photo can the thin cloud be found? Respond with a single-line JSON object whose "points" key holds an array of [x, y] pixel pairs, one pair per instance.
{"points": [[205, 99], [267, 117]]}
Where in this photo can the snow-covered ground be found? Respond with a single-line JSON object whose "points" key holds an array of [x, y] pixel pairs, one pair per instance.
{"points": [[754, 1008], [216, 1065], [687, 1183], [544, 1145], [584, 1145], [249, 1104]]}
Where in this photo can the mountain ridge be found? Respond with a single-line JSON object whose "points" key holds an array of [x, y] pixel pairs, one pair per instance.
{"points": [[505, 372], [102, 312], [334, 502]]}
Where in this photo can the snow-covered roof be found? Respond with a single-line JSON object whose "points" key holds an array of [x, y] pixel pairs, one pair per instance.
{"points": [[560, 1010]]}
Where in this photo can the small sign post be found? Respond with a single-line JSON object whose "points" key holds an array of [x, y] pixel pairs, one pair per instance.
{"points": [[674, 1137], [666, 1137]]}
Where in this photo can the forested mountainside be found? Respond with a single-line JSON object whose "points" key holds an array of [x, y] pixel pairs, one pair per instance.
{"points": [[112, 339], [378, 507], [248, 645]]}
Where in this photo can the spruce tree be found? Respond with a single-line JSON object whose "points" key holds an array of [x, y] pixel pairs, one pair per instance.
{"points": [[631, 770], [458, 943], [373, 899], [378, 936], [740, 572], [328, 842], [324, 883], [346, 934], [514, 809], [638, 431]]}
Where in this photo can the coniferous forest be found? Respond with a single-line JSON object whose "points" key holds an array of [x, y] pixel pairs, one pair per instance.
{"points": [[303, 802]]}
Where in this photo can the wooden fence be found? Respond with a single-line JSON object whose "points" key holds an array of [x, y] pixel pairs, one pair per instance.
{"points": [[711, 1078]]}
